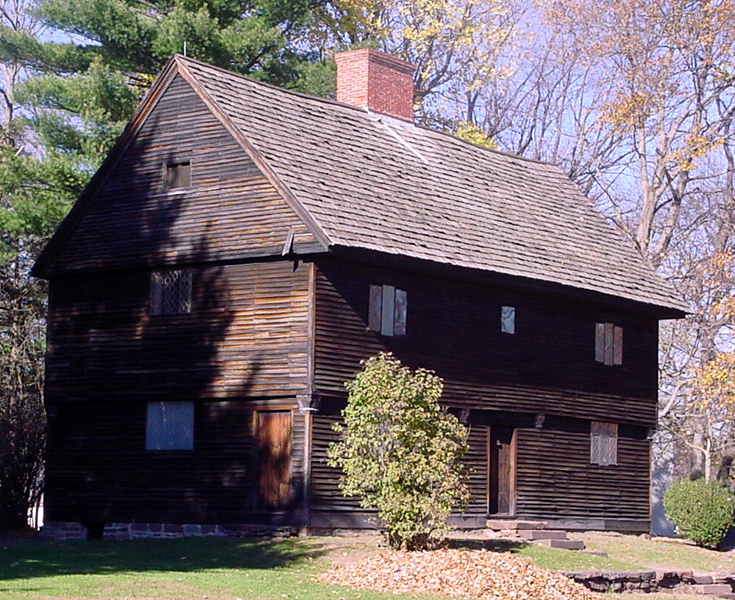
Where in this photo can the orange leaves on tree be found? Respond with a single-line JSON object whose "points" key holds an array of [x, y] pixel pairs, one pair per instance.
{"points": [[715, 382]]}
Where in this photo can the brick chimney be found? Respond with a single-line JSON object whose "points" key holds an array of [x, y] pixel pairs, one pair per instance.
{"points": [[376, 81]]}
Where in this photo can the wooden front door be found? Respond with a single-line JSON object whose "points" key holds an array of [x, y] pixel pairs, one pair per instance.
{"points": [[501, 470], [274, 459]]}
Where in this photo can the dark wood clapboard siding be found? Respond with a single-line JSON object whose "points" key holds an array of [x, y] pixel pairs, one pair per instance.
{"points": [[572, 487], [230, 208], [543, 381], [553, 475], [99, 470], [454, 328], [246, 336], [242, 349]]}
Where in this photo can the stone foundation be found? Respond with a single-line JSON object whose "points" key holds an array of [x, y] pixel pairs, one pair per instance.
{"points": [[133, 531], [64, 531], [653, 581]]}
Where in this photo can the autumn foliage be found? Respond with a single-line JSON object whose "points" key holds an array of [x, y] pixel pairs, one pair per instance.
{"points": [[400, 452]]}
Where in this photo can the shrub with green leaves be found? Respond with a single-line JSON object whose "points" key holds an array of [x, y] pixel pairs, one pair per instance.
{"points": [[702, 510], [400, 452]]}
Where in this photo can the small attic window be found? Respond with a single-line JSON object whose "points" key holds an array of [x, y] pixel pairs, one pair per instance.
{"points": [[177, 175]]}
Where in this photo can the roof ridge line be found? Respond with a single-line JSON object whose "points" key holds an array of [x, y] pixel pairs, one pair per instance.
{"points": [[271, 86], [359, 109], [376, 118]]}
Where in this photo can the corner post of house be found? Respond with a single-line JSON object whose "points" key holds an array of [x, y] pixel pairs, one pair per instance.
{"points": [[308, 405]]}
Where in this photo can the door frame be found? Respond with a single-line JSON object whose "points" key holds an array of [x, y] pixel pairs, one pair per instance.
{"points": [[492, 480]]}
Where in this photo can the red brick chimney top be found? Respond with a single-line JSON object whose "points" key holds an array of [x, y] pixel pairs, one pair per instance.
{"points": [[376, 81]]}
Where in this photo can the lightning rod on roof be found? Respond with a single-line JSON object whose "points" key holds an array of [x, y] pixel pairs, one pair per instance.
{"points": [[184, 47]]}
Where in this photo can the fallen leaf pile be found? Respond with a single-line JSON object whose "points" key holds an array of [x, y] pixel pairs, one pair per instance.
{"points": [[476, 574]]}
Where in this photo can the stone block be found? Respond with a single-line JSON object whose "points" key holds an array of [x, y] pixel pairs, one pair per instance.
{"points": [[711, 589], [564, 544], [514, 525], [543, 534]]}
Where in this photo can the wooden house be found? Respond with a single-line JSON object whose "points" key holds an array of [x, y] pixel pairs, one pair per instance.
{"points": [[241, 250]]}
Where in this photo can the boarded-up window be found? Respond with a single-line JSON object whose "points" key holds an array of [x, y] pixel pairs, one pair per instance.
{"points": [[170, 426], [177, 175], [170, 292], [508, 319], [609, 344], [603, 443], [388, 310]]}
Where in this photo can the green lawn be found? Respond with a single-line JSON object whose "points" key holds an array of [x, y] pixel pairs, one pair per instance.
{"points": [[215, 569], [552, 558], [226, 569], [660, 553]]}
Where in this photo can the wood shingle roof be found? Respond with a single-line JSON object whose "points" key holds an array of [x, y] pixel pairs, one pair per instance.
{"points": [[362, 180], [381, 184]]}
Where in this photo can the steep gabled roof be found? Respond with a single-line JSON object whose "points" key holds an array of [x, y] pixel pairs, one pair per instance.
{"points": [[362, 180]]}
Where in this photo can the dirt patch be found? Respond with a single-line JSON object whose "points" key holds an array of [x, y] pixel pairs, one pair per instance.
{"points": [[349, 547], [459, 573]]}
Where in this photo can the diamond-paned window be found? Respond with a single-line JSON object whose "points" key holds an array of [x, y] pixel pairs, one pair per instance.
{"points": [[387, 310], [508, 319], [171, 292]]}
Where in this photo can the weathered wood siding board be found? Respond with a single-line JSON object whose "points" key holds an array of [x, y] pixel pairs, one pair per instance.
{"points": [[453, 327], [477, 462], [555, 478], [230, 207], [246, 336], [325, 492], [100, 471]]}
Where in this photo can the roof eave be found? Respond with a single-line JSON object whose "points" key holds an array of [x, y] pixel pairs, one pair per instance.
{"points": [[675, 309]]}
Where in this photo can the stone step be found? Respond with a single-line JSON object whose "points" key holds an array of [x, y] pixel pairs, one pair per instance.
{"points": [[565, 544], [544, 534], [711, 589], [514, 525]]}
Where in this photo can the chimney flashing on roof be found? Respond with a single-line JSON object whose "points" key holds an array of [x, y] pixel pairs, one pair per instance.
{"points": [[376, 81]]}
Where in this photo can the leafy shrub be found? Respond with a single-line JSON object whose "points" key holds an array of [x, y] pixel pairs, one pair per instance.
{"points": [[701, 510], [400, 452]]}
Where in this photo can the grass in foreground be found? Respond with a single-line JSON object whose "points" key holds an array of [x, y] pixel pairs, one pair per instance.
{"points": [[552, 558], [224, 569], [660, 553], [215, 569]]}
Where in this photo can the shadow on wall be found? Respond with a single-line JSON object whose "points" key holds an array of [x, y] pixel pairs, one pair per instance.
{"points": [[111, 358]]}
